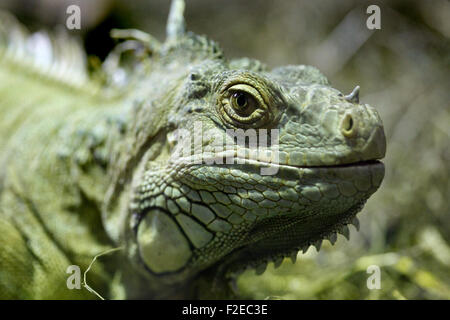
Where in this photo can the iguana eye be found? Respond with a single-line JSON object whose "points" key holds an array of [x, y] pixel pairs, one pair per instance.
{"points": [[243, 105]]}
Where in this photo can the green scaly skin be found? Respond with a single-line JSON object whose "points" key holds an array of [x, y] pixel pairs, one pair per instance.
{"points": [[90, 165]]}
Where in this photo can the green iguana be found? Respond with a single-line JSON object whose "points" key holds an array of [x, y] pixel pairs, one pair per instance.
{"points": [[90, 163]]}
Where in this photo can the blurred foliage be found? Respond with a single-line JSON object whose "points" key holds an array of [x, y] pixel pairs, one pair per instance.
{"points": [[403, 70]]}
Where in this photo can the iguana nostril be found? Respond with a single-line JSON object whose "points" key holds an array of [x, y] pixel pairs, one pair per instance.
{"points": [[348, 126]]}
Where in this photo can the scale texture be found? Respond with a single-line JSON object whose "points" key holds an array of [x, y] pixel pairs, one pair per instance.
{"points": [[91, 162]]}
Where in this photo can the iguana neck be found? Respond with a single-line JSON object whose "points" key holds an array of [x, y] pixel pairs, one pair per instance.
{"points": [[56, 147]]}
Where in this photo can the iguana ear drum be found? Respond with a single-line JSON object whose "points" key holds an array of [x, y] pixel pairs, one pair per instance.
{"points": [[162, 246]]}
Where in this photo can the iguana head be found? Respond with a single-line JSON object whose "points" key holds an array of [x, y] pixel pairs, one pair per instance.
{"points": [[252, 165]]}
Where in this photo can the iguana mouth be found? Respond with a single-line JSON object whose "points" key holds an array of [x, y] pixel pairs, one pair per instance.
{"points": [[351, 164], [344, 165], [367, 164], [221, 159]]}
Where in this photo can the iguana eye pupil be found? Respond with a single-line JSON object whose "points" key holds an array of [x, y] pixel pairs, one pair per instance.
{"points": [[241, 99], [243, 103]]}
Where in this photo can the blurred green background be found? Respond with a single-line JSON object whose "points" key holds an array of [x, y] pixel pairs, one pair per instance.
{"points": [[403, 70]]}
